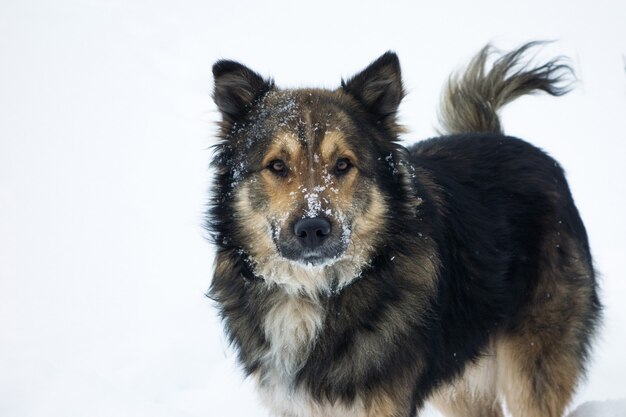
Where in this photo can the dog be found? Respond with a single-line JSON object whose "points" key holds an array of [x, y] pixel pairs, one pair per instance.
{"points": [[359, 278]]}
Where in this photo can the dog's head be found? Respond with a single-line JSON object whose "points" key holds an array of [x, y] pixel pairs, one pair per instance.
{"points": [[304, 175]]}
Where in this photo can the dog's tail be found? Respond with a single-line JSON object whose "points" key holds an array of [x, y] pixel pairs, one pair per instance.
{"points": [[471, 100]]}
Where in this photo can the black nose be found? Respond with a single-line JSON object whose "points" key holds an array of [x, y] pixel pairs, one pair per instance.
{"points": [[312, 232]]}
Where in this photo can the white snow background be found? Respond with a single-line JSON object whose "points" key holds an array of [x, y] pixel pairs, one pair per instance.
{"points": [[105, 126]]}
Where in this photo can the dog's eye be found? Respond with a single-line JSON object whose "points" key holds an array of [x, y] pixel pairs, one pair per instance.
{"points": [[342, 166], [278, 167]]}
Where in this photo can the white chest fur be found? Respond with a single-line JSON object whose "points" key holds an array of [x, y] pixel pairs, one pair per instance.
{"points": [[291, 327]]}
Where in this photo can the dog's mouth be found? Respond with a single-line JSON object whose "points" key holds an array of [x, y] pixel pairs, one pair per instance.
{"points": [[317, 259], [321, 256]]}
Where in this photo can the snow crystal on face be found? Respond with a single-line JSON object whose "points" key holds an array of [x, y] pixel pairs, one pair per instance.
{"points": [[238, 170], [346, 232], [276, 225], [313, 198], [389, 159], [314, 206], [276, 111]]}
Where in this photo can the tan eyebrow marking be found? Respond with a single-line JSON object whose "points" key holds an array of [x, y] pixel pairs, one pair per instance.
{"points": [[334, 145], [284, 144]]}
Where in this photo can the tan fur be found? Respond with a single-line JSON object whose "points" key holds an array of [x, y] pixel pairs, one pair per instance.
{"points": [[282, 195], [382, 405], [474, 393], [367, 227], [535, 382], [284, 145], [464, 405], [223, 265], [335, 146], [255, 224]]}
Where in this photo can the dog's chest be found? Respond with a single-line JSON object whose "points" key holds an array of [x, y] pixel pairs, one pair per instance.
{"points": [[292, 327]]}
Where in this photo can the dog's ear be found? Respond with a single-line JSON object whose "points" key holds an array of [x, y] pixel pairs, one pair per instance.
{"points": [[236, 88], [378, 87]]}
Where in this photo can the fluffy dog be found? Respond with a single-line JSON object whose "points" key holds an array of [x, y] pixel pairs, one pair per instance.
{"points": [[356, 277]]}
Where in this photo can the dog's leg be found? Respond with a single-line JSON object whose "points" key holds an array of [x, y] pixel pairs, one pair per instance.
{"points": [[473, 394], [541, 357], [466, 405], [389, 403], [536, 381]]}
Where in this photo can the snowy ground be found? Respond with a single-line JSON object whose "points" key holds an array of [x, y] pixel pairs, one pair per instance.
{"points": [[105, 125]]}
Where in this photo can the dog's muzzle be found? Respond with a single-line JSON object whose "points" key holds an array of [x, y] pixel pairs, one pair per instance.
{"points": [[311, 240], [312, 233]]}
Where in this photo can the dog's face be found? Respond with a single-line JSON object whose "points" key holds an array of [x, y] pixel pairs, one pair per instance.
{"points": [[303, 170]]}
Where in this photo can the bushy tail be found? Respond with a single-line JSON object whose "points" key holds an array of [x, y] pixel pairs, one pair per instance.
{"points": [[471, 100]]}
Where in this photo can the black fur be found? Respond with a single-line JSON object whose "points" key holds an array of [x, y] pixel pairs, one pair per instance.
{"points": [[378, 87], [236, 88]]}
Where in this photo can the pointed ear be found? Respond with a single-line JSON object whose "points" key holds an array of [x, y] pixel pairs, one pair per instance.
{"points": [[236, 88], [379, 86]]}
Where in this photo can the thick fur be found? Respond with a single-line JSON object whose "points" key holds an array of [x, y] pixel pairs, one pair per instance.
{"points": [[471, 99], [457, 271]]}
